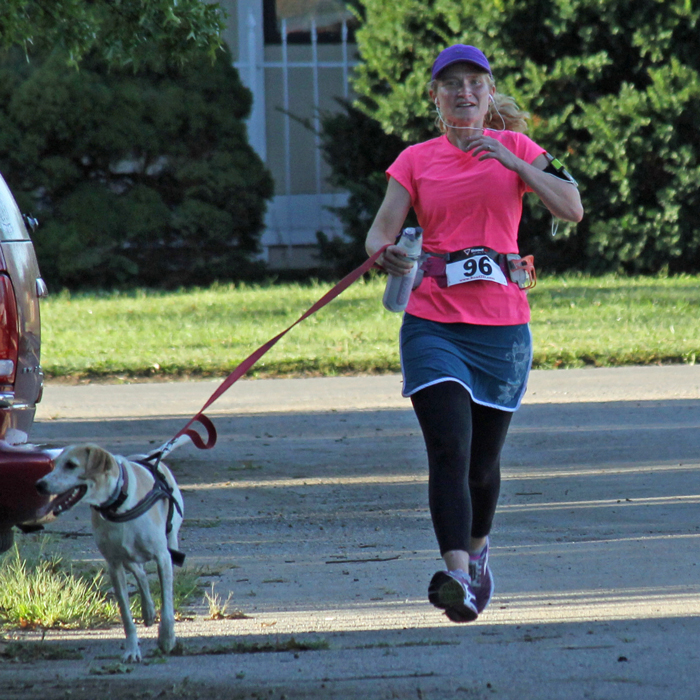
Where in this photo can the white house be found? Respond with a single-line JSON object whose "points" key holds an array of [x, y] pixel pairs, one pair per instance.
{"points": [[295, 56]]}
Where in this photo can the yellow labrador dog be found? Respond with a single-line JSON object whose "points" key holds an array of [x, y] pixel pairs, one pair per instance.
{"points": [[136, 516]]}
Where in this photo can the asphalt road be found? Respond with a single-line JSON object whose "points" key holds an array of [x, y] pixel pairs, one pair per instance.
{"points": [[311, 512]]}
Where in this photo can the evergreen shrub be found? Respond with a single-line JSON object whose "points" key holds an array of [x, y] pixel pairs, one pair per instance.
{"points": [[137, 178]]}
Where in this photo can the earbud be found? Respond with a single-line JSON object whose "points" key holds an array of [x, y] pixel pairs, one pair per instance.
{"points": [[490, 98]]}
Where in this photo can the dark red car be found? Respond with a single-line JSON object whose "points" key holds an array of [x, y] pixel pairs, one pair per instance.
{"points": [[21, 377]]}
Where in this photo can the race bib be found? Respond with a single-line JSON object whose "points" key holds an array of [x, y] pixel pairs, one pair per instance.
{"points": [[476, 265]]}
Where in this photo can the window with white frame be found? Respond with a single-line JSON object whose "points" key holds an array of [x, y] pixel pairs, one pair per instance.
{"points": [[307, 65]]}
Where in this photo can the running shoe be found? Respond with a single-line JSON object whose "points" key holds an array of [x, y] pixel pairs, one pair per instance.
{"points": [[481, 578], [451, 591]]}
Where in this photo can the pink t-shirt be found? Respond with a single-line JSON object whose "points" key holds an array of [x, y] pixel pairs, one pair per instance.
{"points": [[462, 202]]}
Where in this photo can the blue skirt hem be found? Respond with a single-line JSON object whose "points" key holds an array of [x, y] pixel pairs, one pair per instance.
{"points": [[491, 362]]}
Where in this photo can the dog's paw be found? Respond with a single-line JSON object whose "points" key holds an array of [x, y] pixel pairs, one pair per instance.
{"points": [[166, 642], [148, 618], [132, 656]]}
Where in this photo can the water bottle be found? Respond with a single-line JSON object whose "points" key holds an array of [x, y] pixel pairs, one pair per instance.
{"points": [[398, 288]]}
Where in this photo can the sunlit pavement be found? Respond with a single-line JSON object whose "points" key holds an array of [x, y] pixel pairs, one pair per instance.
{"points": [[311, 513]]}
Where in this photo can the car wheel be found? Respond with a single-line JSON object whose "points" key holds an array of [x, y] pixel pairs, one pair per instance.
{"points": [[7, 538]]}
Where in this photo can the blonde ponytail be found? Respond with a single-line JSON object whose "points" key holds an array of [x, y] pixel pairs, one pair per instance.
{"points": [[505, 114]]}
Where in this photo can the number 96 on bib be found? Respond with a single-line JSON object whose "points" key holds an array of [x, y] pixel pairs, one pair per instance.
{"points": [[472, 268]]}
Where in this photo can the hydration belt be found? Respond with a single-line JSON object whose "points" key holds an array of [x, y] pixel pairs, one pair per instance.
{"points": [[520, 270]]}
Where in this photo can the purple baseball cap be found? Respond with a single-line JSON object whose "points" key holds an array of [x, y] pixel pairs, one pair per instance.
{"points": [[459, 53]]}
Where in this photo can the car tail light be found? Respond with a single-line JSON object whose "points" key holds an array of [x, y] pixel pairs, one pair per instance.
{"points": [[20, 468], [9, 331]]}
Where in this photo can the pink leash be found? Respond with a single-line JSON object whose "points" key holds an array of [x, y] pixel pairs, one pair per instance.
{"points": [[189, 432]]}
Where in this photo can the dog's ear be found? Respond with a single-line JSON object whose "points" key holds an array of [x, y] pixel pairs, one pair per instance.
{"points": [[98, 461]]}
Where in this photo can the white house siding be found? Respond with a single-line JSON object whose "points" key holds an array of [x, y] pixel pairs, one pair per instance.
{"points": [[291, 83]]}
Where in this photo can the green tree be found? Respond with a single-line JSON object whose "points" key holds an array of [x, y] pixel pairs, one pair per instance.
{"points": [[143, 178], [122, 31], [613, 87]]}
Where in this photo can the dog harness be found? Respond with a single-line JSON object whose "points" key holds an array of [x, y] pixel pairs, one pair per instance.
{"points": [[160, 490]]}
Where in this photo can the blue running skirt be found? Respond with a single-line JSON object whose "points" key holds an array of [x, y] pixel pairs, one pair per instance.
{"points": [[491, 362]]}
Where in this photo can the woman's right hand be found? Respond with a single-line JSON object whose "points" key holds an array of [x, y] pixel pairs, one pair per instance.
{"points": [[386, 227], [395, 261]]}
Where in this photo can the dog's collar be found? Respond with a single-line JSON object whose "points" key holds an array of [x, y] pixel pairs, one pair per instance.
{"points": [[120, 494]]}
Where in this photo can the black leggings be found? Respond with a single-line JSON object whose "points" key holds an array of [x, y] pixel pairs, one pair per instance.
{"points": [[464, 442]]}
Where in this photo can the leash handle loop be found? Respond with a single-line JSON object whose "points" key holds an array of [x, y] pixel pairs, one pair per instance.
{"points": [[196, 437]]}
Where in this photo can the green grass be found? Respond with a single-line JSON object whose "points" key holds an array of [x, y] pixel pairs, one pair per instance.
{"points": [[613, 321], [209, 331], [577, 321], [33, 652], [37, 593], [276, 646], [47, 592]]}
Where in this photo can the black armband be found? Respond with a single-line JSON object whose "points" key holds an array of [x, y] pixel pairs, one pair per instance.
{"points": [[555, 167]]}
